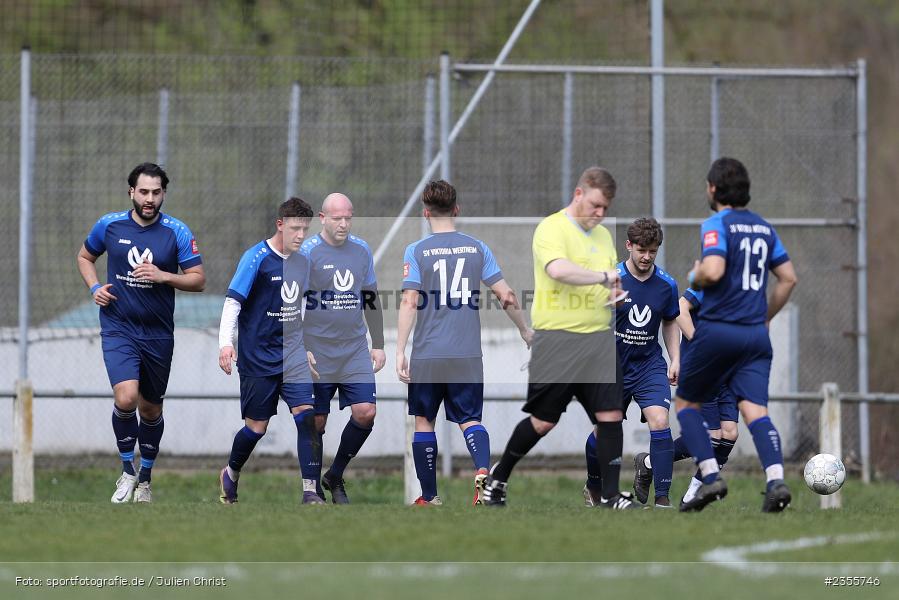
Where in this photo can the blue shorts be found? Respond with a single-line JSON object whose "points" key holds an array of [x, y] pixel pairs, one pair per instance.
{"points": [[341, 362], [259, 396], [723, 407], [147, 361], [738, 356], [457, 382], [649, 388], [349, 393]]}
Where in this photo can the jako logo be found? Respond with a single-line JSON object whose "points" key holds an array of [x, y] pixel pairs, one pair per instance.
{"points": [[343, 281], [639, 318], [135, 258], [290, 293]]}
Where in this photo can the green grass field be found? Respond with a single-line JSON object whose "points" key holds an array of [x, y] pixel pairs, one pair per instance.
{"points": [[545, 543]]}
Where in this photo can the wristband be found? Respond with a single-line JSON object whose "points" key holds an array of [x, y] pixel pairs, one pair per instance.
{"points": [[95, 287], [605, 278]]}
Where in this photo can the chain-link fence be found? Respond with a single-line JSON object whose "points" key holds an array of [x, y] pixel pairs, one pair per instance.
{"points": [[362, 129]]}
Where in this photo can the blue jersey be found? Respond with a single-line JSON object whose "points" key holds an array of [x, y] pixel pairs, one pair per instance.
{"points": [[270, 289], [637, 322], [144, 309], [338, 276], [447, 270], [751, 248]]}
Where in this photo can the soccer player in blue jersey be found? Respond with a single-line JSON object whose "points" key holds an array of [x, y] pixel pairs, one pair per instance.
{"points": [[145, 249], [720, 414], [731, 345], [441, 297], [265, 302], [342, 303], [651, 304]]}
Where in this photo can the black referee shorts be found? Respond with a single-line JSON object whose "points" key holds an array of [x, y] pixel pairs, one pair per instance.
{"points": [[566, 365]]}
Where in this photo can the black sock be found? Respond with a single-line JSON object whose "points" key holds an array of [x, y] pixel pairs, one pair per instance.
{"points": [[609, 443], [523, 439]]}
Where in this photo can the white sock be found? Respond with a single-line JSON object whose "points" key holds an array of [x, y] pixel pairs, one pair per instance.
{"points": [[710, 465], [234, 475], [774, 472]]}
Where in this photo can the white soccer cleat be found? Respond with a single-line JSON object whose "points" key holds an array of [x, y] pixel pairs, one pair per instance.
{"points": [[143, 493], [124, 488]]}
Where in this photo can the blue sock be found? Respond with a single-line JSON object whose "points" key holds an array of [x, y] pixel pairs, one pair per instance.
{"points": [[424, 451], [698, 442], [319, 448], [767, 444], [125, 428], [477, 440], [716, 443], [594, 478], [148, 437], [661, 455], [351, 440], [244, 442], [680, 449], [308, 442]]}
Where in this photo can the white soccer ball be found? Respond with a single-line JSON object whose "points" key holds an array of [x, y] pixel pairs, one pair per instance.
{"points": [[825, 474]]}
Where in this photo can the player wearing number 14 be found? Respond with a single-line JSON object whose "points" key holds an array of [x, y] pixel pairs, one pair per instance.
{"points": [[441, 287]]}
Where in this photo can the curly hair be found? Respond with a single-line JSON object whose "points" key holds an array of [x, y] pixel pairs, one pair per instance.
{"points": [[645, 232]]}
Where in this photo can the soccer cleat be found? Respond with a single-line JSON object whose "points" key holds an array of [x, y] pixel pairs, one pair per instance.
{"points": [[124, 488], [620, 501], [227, 487], [591, 498], [691, 490], [494, 492], [335, 485], [642, 477], [312, 498], [479, 480], [435, 501], [706, 494], [143, 493], [662, 502], [778, 499]]}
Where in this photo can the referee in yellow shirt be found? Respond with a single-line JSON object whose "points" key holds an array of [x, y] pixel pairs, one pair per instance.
{"points": [[573, 352]]}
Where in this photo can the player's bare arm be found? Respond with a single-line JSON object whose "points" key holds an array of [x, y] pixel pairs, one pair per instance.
{"points": [[786, 281], [509, 301], [671, 335], [192, 279], [562, 269], [683, 320], [707, 272], [88, 269], [405, 322]]}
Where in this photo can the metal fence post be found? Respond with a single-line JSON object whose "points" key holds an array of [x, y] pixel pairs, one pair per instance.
{"points": [[715, 117], [657, 35], [830, 432], [861, 141], [162, 133], [293, 142], [567, 119], [23, 452]]}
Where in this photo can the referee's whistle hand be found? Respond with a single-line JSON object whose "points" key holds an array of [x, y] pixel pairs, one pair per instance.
{"points": [[226, 359]]}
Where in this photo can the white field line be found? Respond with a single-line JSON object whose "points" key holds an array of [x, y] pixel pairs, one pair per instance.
{"points": [[738, 558]]}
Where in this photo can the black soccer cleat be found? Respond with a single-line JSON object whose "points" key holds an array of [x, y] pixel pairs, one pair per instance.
{"points": [[335, 485], [706, 494], [778, 499], [494, 492], [620, 501], [642, 478]]}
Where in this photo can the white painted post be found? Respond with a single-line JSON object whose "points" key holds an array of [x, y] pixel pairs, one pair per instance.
{"points": [[830, 433]]}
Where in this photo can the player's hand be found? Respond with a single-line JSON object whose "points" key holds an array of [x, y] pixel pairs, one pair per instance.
{"points": [[102, 297], [673, 372], [227, 357], [613, 279], [691, 276], [402, 368], [311, 358], [147, 271], [378, 359], [527, 334]]}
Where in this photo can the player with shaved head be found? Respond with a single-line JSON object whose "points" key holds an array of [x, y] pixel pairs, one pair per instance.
{"points": [[342, 304]]}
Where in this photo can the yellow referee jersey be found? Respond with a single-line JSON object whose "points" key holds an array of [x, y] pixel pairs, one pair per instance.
{"points": [[575, 308]]}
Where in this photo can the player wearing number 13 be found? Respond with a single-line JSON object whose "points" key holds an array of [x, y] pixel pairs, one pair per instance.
{"points": [[441, 286], [731, 345]]}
